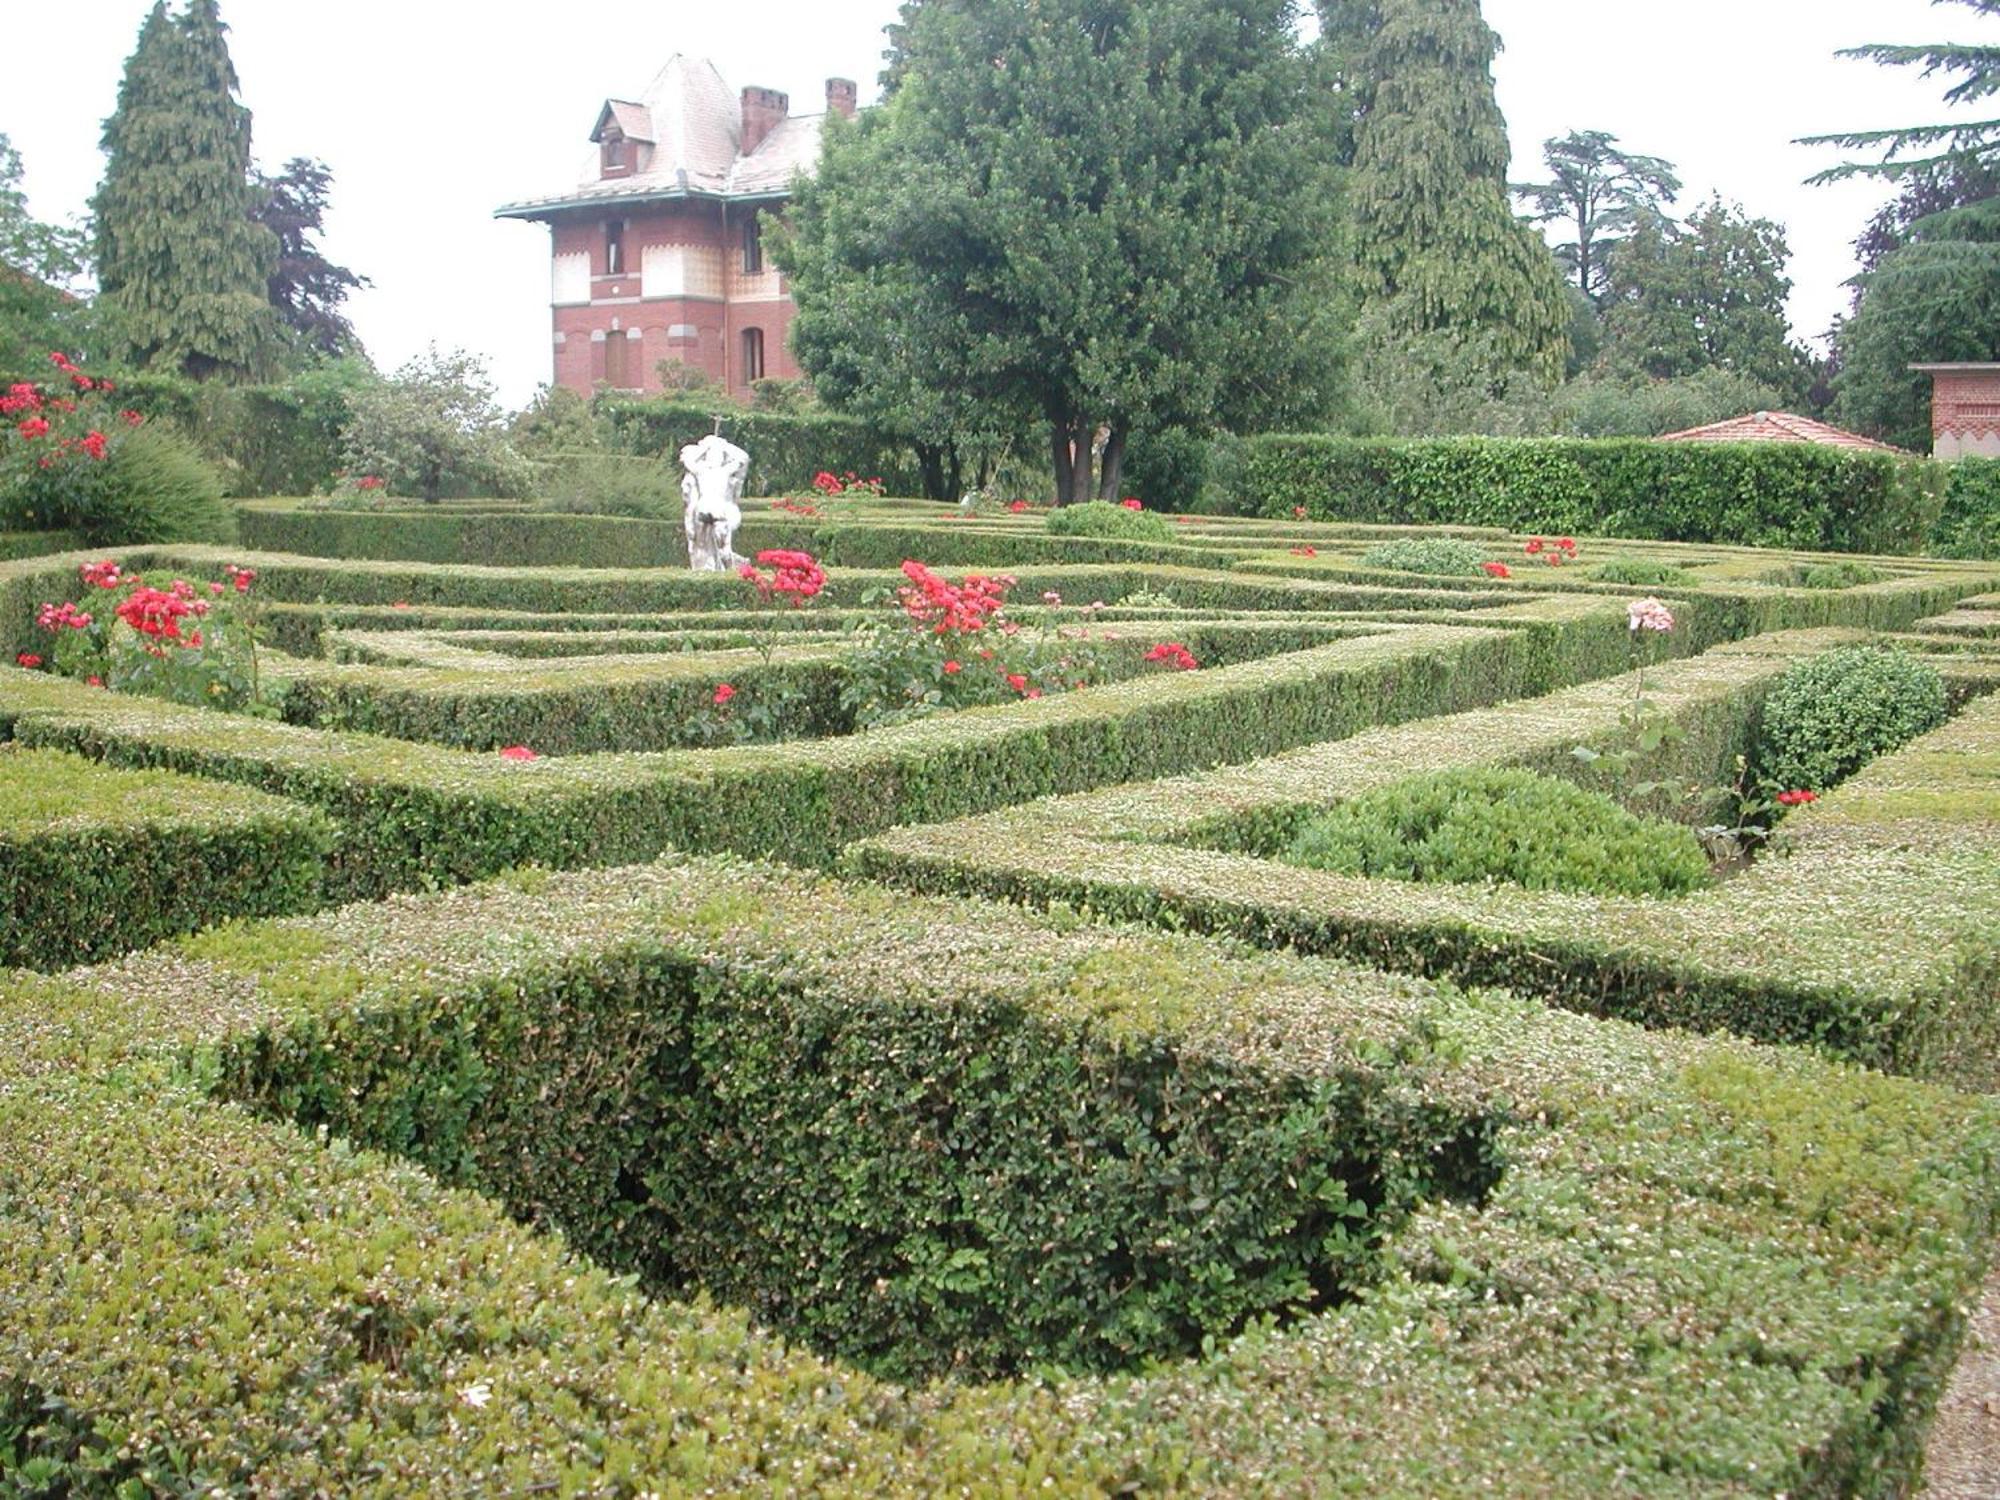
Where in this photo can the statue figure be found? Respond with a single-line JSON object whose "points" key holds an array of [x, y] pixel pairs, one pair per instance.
{"points": [[712, 487]]}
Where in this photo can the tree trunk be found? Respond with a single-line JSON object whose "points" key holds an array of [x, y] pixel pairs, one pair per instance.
{"points": [[930, 464], [1114, 466], [1063, 447]]}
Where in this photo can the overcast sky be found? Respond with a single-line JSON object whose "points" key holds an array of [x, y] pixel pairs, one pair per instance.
{"points": [[433, 112]]}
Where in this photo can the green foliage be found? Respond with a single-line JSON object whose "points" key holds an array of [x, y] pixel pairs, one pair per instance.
{"points": [[1746, 494], [95, 861], [610, 484], [1840, 575], [1601, 192], [1515, 826], [786, 449], [433, 430], [1442, 556], [39, 264], [182, 267], [1637, 572], [1125, 225], [1979, 78], [1707, 294], [1970, 524], [1436, 245], [1605, 405], [1830, 715], [155, 487], [1101, 518]]}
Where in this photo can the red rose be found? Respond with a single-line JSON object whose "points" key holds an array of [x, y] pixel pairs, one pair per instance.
{"points": [[724, 692], [29, 660], [1130, 504], [518, 752], [952, 669]]}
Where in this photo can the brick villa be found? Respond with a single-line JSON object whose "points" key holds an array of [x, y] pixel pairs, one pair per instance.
{"points": [[657, 253]]}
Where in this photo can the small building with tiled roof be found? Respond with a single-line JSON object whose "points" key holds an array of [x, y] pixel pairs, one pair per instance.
{"points": [[1965, 409], [657, 251], [1778, 427]]}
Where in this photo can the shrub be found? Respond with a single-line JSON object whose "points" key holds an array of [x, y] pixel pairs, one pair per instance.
{"points": [[1465, 827], [1747, 494], [433, 430], [1969, 525], [156, 487], [1441, 557], [1830, 715], [1100, 518], [1840, 575], [786, 448], [610, 484], [1638, 572]]}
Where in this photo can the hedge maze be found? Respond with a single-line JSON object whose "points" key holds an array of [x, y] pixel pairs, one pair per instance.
{"points": [[566, 1037]]}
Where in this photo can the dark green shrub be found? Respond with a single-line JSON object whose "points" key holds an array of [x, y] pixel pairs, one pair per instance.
{"points": [[1749, 494], [1100, 518], [156, 487], [610, 484], [1441, 557], [1639, 572], [1970, 523], [1465, 827], [1830, 715], [1840, 575], [1167, 469]]}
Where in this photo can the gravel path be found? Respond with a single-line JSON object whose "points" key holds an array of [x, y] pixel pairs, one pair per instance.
{"points": [[1963, 1458]]}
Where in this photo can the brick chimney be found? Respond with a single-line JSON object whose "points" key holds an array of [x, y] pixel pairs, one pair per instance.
{"points": [[764, 110], [841, 97]]}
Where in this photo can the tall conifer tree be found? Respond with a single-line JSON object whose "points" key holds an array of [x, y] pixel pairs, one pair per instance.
{"points": [[183, 268], [1437, 246]]}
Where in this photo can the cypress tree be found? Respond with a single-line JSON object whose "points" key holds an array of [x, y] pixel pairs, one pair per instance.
{"points": [[183, 268], [1437, 246]]}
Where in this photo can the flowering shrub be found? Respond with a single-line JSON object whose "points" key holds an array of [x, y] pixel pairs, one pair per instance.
{"points": [[1173, 655], [1649, 614], [188, 643], [54, 440], [1496, 570], [830, 484], [1555, 551], [795, 577], [951, 645]]}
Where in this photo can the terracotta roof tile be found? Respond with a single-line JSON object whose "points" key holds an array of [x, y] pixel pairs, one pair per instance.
{"points": [[1777, 427]]}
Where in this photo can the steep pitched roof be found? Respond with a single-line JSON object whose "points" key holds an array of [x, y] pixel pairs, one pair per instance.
{"points": [[1778, 427], [694, 121]]}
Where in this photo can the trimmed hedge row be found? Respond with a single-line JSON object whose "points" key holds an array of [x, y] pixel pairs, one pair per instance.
{"points": [[15, 544], [415, 815], [1691, 1266], [94, 861], [786, 449], [1793, 495], [519, 539], [1874, 933]]}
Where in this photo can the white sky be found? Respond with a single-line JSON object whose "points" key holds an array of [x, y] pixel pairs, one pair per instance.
{"points": [[433, 112]]}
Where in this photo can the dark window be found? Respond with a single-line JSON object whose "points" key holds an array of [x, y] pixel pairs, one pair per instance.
{"points": [[614, 248], [614, 151], [753, 245], [753, 354], [616, 366]]}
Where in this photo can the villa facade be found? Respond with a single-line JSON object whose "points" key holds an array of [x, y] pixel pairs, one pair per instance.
{"points": [[657, 255]]}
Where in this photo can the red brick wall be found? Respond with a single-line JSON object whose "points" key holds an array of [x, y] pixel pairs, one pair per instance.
{"points": [[714, 344], [1965, 413]]}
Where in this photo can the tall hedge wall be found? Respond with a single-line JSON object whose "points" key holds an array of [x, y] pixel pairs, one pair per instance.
{"points": [[1970, 524], [1750, 494], [785, 449]]}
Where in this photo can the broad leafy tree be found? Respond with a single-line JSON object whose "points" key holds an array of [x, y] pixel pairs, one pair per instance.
{"points": [[1437, 246], [39, 265], [184, 269], [1112, 214], [305, 287], [1709, 294], [1597, 192]]}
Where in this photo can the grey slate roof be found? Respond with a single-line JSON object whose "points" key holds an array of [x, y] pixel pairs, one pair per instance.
{"points": [[694, 121]]}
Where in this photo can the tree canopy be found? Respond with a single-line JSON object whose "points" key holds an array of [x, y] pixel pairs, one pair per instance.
{"points": [[1707, 294], [1437, 246], [305, 287], [1910, 149], [1112, 214], [183, 268], [1599, 191], [39, 265]]}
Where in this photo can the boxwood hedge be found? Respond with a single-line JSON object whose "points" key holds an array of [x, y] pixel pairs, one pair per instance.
{"points": [[95, 860], [1689, 1266]]}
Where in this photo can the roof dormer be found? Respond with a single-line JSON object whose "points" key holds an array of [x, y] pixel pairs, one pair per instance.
{"points": [[624, 138]]}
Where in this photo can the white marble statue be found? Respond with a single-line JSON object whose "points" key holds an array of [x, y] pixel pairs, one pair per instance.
{"points": [[713, 488]]}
